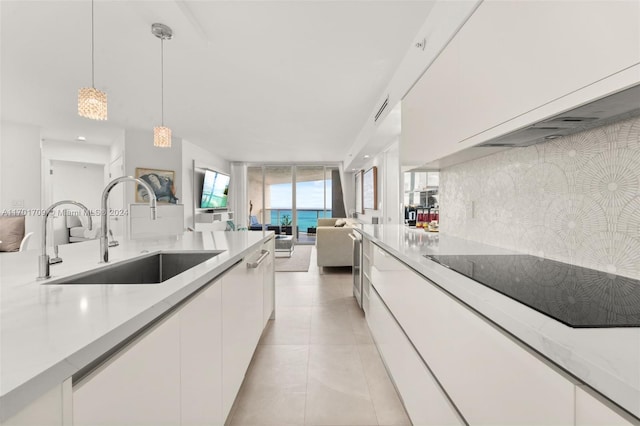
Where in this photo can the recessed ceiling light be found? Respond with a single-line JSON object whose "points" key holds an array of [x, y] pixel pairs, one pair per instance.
{"points": [[82, 138], [367, 156], [550, 137]]}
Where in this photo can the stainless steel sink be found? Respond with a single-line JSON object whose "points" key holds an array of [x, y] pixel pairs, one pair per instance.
{"points": [[150, 269]]}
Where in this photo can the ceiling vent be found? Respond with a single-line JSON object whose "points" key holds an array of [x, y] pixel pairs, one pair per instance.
{"points": [[381, 109], [619, 106]]}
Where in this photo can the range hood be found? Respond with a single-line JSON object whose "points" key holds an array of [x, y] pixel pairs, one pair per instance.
{"points": [[612, 108]]}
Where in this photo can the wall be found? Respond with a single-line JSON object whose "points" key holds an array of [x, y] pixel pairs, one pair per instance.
{"points": [[140, 152], [575, 199], [392, 199], [20, 177], [81, 182], [203, 158], [369, 214], [388, 164], [76, 152]]}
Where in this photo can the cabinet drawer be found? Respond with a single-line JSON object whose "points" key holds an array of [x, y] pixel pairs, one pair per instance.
{"points": [[424, 401], [474, 361]]}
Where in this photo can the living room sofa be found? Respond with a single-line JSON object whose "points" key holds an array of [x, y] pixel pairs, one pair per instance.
{"points": [[333, 244]]}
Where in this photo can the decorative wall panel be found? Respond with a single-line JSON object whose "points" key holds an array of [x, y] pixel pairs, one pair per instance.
{"points": [[574, 199]]}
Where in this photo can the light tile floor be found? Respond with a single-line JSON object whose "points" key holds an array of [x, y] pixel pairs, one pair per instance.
{"points": [[316, 363]]}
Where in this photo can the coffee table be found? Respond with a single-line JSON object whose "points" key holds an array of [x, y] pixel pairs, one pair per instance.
{"points": [[284, 244]]}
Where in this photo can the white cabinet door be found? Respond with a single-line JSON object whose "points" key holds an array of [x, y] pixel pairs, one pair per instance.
{"points": [[51, 409], [138, 386], [591, 412], [475, 363], [423, 399], [242, 324], [518, 55], [431, 121], [201, 358], [511, 58], [268, 271]]}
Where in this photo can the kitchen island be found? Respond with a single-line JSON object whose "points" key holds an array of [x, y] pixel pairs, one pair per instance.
{"points": [[52, 333], [492, 359]]}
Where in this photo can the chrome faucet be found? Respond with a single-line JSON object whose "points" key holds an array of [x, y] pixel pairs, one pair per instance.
{"points": [[43, 260], [104, 214]]}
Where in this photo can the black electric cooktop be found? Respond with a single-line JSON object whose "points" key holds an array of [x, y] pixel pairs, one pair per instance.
{"points": [[576, 296]]}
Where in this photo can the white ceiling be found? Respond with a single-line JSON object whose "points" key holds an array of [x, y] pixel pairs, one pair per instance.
{"points": [[248, 80]]}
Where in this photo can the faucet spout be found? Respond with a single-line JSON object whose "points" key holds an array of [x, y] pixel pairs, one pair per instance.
{"points": [[43, 260], [104, 214]]}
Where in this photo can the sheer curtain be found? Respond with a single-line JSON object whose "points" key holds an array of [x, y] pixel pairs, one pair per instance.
{"points": [[238, 195]]}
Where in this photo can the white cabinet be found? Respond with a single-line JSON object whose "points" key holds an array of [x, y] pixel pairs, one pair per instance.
{"points": [[169, 220], [51, 409], [475, 363], [269, 293], [517, 56], [511, 59], [138, 386], [242, 323], [424, 401], [201, 358], [591, 412], [431, 121], [188, 368]]}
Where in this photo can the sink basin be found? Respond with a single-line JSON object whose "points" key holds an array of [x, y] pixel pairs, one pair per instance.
{"points": [[150, 269]]}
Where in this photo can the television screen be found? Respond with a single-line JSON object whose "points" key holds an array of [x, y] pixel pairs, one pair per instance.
{"points": [[214, 190]]}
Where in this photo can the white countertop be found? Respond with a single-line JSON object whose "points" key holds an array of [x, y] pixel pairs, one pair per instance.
{"points": [[50, 332], [606, 359]]}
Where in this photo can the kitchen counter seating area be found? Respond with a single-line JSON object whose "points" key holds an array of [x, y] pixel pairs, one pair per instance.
{"points": [[461, 352], [74, 342]]}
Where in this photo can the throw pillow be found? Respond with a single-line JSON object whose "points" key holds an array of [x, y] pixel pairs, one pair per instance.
{"points": [[340, 223], [11, 232]]}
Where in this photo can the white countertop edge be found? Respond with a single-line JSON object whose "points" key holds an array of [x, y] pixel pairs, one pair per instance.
{"points": [[534, 332], [17, 398]]}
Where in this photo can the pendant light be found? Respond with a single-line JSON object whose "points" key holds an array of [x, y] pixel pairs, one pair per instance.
{"points": [[92, 103], [162, 134]]}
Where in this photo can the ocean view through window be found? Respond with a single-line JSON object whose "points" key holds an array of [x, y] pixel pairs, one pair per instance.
{"points": [[310, 203]]}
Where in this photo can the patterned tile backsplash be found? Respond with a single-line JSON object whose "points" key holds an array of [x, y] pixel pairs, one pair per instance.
{"points": [[574, 199]]}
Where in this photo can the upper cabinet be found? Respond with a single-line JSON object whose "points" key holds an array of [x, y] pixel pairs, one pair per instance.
{"points": [[511, 58]]}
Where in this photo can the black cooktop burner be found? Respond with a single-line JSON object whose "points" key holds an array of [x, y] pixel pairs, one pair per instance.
{"points": [[575, 296]]}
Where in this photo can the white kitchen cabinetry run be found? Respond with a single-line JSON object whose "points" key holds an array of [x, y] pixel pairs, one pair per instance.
{"points": [[591, 412], [201, 358], [490, 378], [138, 386], [242, 322], [188, 368], [511, 58], [424, 401]]}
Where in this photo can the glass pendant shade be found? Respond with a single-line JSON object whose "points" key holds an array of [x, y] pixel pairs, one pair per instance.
{"points": [[92, 103], [162, 137]]}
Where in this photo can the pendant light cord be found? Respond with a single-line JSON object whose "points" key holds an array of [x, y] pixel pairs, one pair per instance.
{"points": [[162, 77], [92, 55]]}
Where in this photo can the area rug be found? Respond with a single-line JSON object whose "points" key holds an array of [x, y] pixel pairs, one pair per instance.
{"points": [[298, 262]]}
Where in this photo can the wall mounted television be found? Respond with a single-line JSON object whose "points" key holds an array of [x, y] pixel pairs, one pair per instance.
{"points": [[215, 190]]}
